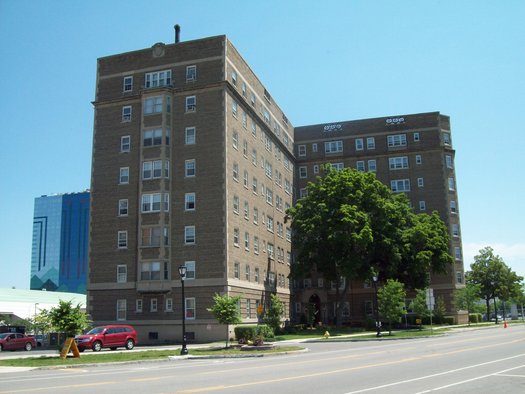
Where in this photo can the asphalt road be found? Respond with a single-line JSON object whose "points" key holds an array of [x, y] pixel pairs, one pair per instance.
{"points": [[475, 361]]}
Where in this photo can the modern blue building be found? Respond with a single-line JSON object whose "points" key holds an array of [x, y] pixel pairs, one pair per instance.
{"points": [[60, 243]]}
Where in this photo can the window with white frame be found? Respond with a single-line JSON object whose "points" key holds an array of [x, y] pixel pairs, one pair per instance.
{"points": [[235, 139], [246, 210], [453, 207], [398, 163], [459, 277], [451, 184], [400, 185], [254, 185], [237, 270], [121, 309], [236, 204], [236, 236], [190, 308], [189, 168], [151, 236], [255, 215], [153, 105], [303, 172], [169, 305], [372, 165], [191, 73], [125, 144], [245, 179], [235, 108], [268, 169], [448, 160], [243, 88], [314, 147], [246, 240], [303, 192], [333, 147], [455, 230], [124, 175], [269, 196], [256, 245], [153, 202], [123, 207], [396, 140], [190, 270], [416, 137], [244, 119], [189, 201], [159, 78], [150, 270], [370, 143], [256, 275], [152, 137], [189, 235], [153, 169], [248, 308], [122, 239], [191, 104], [126, 113], [190, 135], [270, 250], [360, 165], [359, 144], [457, 252], [337, 166], [235, 171], [422, 206], [128, 84], [245, 148], [302, 150], [153, 305], [138, 305], [420, 182], [316, 168], [269, 224], [122, 273], [446, 138], [419, 160]]}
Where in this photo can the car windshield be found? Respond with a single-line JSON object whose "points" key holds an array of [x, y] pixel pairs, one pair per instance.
{"points": [[2, 336], [96, 330]]}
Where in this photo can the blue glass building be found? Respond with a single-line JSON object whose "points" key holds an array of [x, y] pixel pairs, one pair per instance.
{"points": [[60, 243]]}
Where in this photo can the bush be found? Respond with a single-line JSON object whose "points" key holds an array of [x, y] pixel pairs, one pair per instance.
{"points": [[448, 320], [475, 317], [245, 333], [265, 331]]}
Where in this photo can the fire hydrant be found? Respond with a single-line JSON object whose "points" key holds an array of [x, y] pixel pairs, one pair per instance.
{"points": [[326, 335]]}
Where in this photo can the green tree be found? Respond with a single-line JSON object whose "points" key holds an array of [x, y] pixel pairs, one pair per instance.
{"points": [[466, 298], [519, 300], [419, 304], [493, 278], [273, 315], [351, 224], [226, 310], [391, 301], [440, 310], [68, 319]]}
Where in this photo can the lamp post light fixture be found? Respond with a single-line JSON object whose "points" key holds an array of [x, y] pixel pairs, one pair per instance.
{"points": [[378, 323], [182, 273]]}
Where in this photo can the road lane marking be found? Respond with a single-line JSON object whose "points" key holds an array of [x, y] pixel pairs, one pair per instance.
{"points": [[58, 387]]}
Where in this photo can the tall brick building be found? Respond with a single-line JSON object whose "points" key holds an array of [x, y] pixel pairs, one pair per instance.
{"points": [[194, 164]]}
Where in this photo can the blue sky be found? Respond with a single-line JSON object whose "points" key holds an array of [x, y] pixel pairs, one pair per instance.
{"points": [[322, 61]]}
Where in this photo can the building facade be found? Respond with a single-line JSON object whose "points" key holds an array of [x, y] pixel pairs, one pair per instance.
{"points": [[412, 154], [59, 255], [192, 165]]}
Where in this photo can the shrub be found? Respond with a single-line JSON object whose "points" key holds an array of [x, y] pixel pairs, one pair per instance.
{"points": [[245, 333], [448, 320], [265, 331], [475, 317]]}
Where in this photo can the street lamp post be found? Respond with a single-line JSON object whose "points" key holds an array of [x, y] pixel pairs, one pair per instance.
{"points": [[378, 323], [182, 273]]}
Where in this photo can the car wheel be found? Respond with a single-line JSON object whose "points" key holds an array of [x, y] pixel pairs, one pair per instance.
{"points": [[97, 346], [113, 348], [28, 346], [130, 344], [80, 350], [1, 348]]}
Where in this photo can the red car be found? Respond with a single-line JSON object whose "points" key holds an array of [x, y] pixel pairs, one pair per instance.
{"points": [[113, 336], [16, 341]]}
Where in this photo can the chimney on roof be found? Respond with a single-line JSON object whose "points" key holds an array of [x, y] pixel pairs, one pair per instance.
{"points": [[177, 34]]}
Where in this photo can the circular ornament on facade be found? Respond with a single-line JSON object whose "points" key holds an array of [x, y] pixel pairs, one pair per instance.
{"points": [[159, 49]]}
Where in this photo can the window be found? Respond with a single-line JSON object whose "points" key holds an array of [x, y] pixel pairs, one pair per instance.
{"points": [[303, 192], [234, 108], [446, 138], [302, 150], [268, 169], [234, 77], [256, 245], [189, 202], [236, 236], [126, 113], [235, 171], [159, 78], [125, 144], [122, 239], [459, 277], [400, 185], [372, 165], [397, 140], [269, 196], [455, 230], [246, 240], [248, 309], [138, 305], [128, 84], [150, 270], [122, 273], [189, 305], [316, 168], [255, 215], [236, 204], [270, 251], [153, 202], [303, 173], [453, 207], [269, 224], [152, 137], [246, 210], [151, 236], [189, 135], [235, 138], [244, 119], [153, 169], [418, 159], [243, 89], [254, 185], [121, 309], [153, 105], [245, 179], [256, 275], [189, 235], [360, 165], [359, 144], [236, 270], [253, 99], [153, 305], [169, 305], [448, 160], [420, 182], [451, 184], [370, 143], [288, 234], [191, 73], [337, 166], [314, 147], [333, 146], [191, 104], [190, 270], [422, 206], [457, 253], [189, 168], [398, 163], [245, 148], [416, 137], [123, 207]]}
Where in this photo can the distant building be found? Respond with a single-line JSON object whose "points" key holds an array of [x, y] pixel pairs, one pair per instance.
{"points": [[60, 243]]}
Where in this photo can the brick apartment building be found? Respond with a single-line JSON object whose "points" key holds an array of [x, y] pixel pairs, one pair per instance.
{"points": [[194, 164]]}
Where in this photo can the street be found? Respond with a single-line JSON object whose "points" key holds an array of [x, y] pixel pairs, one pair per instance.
{"points": [[470, 361]]}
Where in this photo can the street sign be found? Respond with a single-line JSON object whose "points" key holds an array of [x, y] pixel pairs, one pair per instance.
{"points": [[430, 298]]}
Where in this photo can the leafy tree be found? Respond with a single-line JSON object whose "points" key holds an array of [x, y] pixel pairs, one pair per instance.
{"points": [[519, 300], [440, 310], [226, 310], [466, 298], [419, 304], [272, 316], [391, 300], [493, 278], [68, 319], [351, 224]]}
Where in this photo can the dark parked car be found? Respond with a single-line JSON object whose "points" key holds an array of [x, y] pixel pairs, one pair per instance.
{"points": [[112, 336], [16, 341]]}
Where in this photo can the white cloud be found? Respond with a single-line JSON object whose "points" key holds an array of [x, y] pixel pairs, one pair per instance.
{"points": [[513, 254]]}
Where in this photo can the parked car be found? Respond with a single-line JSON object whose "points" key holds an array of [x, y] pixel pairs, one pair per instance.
{"points": [[16, 341], [112, 336]]}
